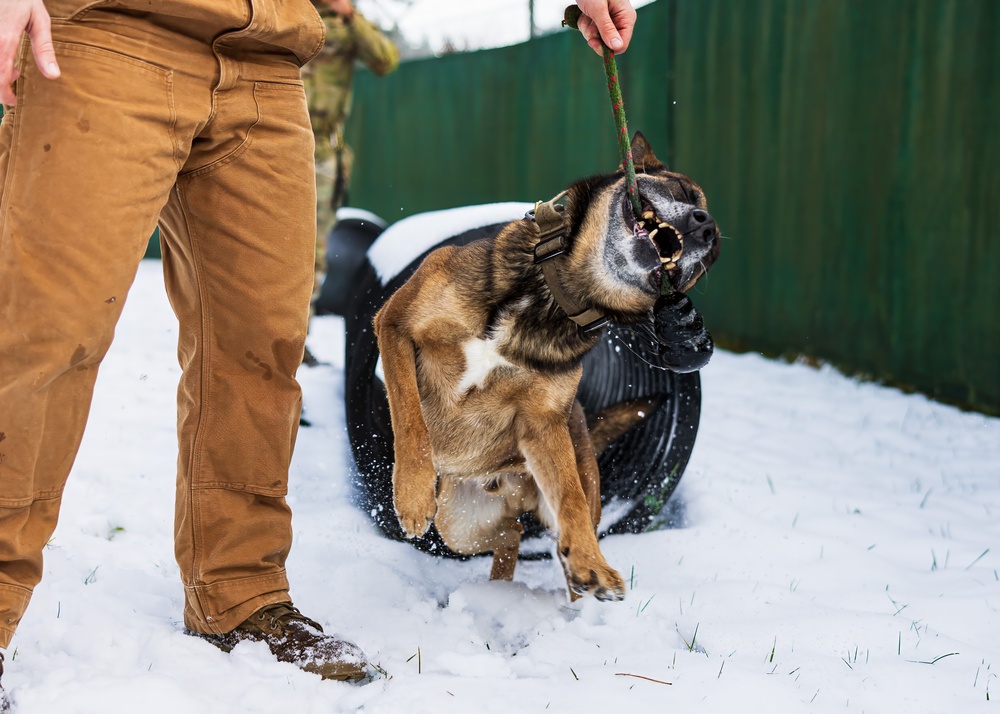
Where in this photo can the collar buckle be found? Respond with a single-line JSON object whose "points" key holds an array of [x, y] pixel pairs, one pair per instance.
{"points": [[550, 247]]}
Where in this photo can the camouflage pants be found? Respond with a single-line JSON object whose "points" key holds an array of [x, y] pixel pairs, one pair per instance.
{"points": [[333, 176]]}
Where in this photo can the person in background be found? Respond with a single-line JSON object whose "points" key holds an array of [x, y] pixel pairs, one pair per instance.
{"points": [[350, 38], [189, 114]]}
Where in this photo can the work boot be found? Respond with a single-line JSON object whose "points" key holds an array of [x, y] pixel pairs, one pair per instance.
{"points": [[4, 701], [293, 637]]}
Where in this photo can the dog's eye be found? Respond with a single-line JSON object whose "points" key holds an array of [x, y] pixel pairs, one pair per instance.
{"points": [[676, 189]]}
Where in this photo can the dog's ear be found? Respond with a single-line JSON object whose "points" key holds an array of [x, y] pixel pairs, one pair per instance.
{"points": [[642, 154]]}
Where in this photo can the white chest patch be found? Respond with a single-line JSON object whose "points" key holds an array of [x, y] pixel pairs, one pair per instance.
{"points": [[481, 358]]}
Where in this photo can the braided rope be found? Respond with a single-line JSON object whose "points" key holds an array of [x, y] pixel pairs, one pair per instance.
{"points": [[572, 18]]}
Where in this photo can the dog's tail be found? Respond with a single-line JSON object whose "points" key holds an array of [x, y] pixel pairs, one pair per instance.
{"points": [[611, 422]]}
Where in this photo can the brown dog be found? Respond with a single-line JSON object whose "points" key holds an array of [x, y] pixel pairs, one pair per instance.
{"points": [[482, 348]]}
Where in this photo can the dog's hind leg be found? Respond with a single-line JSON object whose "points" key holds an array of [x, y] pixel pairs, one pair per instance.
{"points": [[586, 463], [506, 545], [474, 519]]}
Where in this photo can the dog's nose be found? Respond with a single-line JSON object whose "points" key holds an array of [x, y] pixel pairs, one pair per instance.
{"points": [[701, 225]]}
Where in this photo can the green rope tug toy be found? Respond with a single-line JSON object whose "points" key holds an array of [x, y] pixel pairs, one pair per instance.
{"points": [[572, 18]]}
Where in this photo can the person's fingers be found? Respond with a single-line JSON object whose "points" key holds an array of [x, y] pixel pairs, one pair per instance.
{"points": [[609, 34], [598, 17], [623, 18], [8, 75], [8, 48], [589, 30], [611, 25], [40, 31], [30, 17]]}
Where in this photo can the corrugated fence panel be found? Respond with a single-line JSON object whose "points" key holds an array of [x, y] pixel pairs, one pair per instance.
{"points": [[851, 151]]}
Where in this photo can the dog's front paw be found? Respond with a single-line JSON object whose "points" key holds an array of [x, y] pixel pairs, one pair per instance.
{"points": [[587, 576], [683, 342], [416, 503]]}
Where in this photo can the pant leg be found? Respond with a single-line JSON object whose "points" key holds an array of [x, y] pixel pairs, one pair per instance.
{"points": [[238, 238], [86, 162]]}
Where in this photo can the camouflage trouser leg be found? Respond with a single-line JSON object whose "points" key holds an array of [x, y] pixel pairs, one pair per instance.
{"points": [[326, 214], [333, 174]]}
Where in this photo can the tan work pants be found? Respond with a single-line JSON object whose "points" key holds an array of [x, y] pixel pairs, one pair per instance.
{"points": [[151, 120]]}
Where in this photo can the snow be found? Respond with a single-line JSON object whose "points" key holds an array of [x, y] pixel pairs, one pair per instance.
{"points": [[404, 240], [839, 554]]}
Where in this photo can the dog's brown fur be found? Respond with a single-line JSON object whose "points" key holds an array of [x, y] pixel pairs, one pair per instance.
{"points": [[482, 367]]}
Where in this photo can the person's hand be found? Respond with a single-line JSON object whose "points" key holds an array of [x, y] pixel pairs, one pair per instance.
{"points": [[17, 17], [609, 20], [344, 8]]}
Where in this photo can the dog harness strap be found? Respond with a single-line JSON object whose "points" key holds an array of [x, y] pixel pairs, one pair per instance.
{"points": [[549, 218], [587, 318]]}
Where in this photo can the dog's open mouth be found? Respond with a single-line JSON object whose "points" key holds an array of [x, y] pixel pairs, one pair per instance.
{"points": [[668, 241]]}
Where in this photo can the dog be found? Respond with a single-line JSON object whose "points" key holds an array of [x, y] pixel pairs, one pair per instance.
{"points": [[481, 351]]}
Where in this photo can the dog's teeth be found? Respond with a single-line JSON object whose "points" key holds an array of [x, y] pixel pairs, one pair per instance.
{"points": [[677, 256], [665, 225], [648, 215], [670, 265], [664, 260], [652, 233]]}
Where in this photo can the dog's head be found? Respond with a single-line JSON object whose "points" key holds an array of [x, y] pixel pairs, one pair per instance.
{"points": [[626, 259]]}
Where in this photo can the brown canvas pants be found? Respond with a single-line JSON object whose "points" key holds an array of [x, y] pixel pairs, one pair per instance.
{"points": [[151, 121]]}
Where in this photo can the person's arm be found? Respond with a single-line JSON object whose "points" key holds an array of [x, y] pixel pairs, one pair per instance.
{"points": [[609, 20], [16, 18], [377, 51]]}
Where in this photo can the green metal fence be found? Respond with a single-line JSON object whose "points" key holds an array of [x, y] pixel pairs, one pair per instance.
{"points": [[848, 148], [854, 148]]}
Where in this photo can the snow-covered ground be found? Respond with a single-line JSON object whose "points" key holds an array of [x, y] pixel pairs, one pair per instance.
{"points": [[840, 554]]}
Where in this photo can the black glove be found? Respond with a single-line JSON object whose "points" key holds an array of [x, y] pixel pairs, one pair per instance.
{"points": [[683, 342]]}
